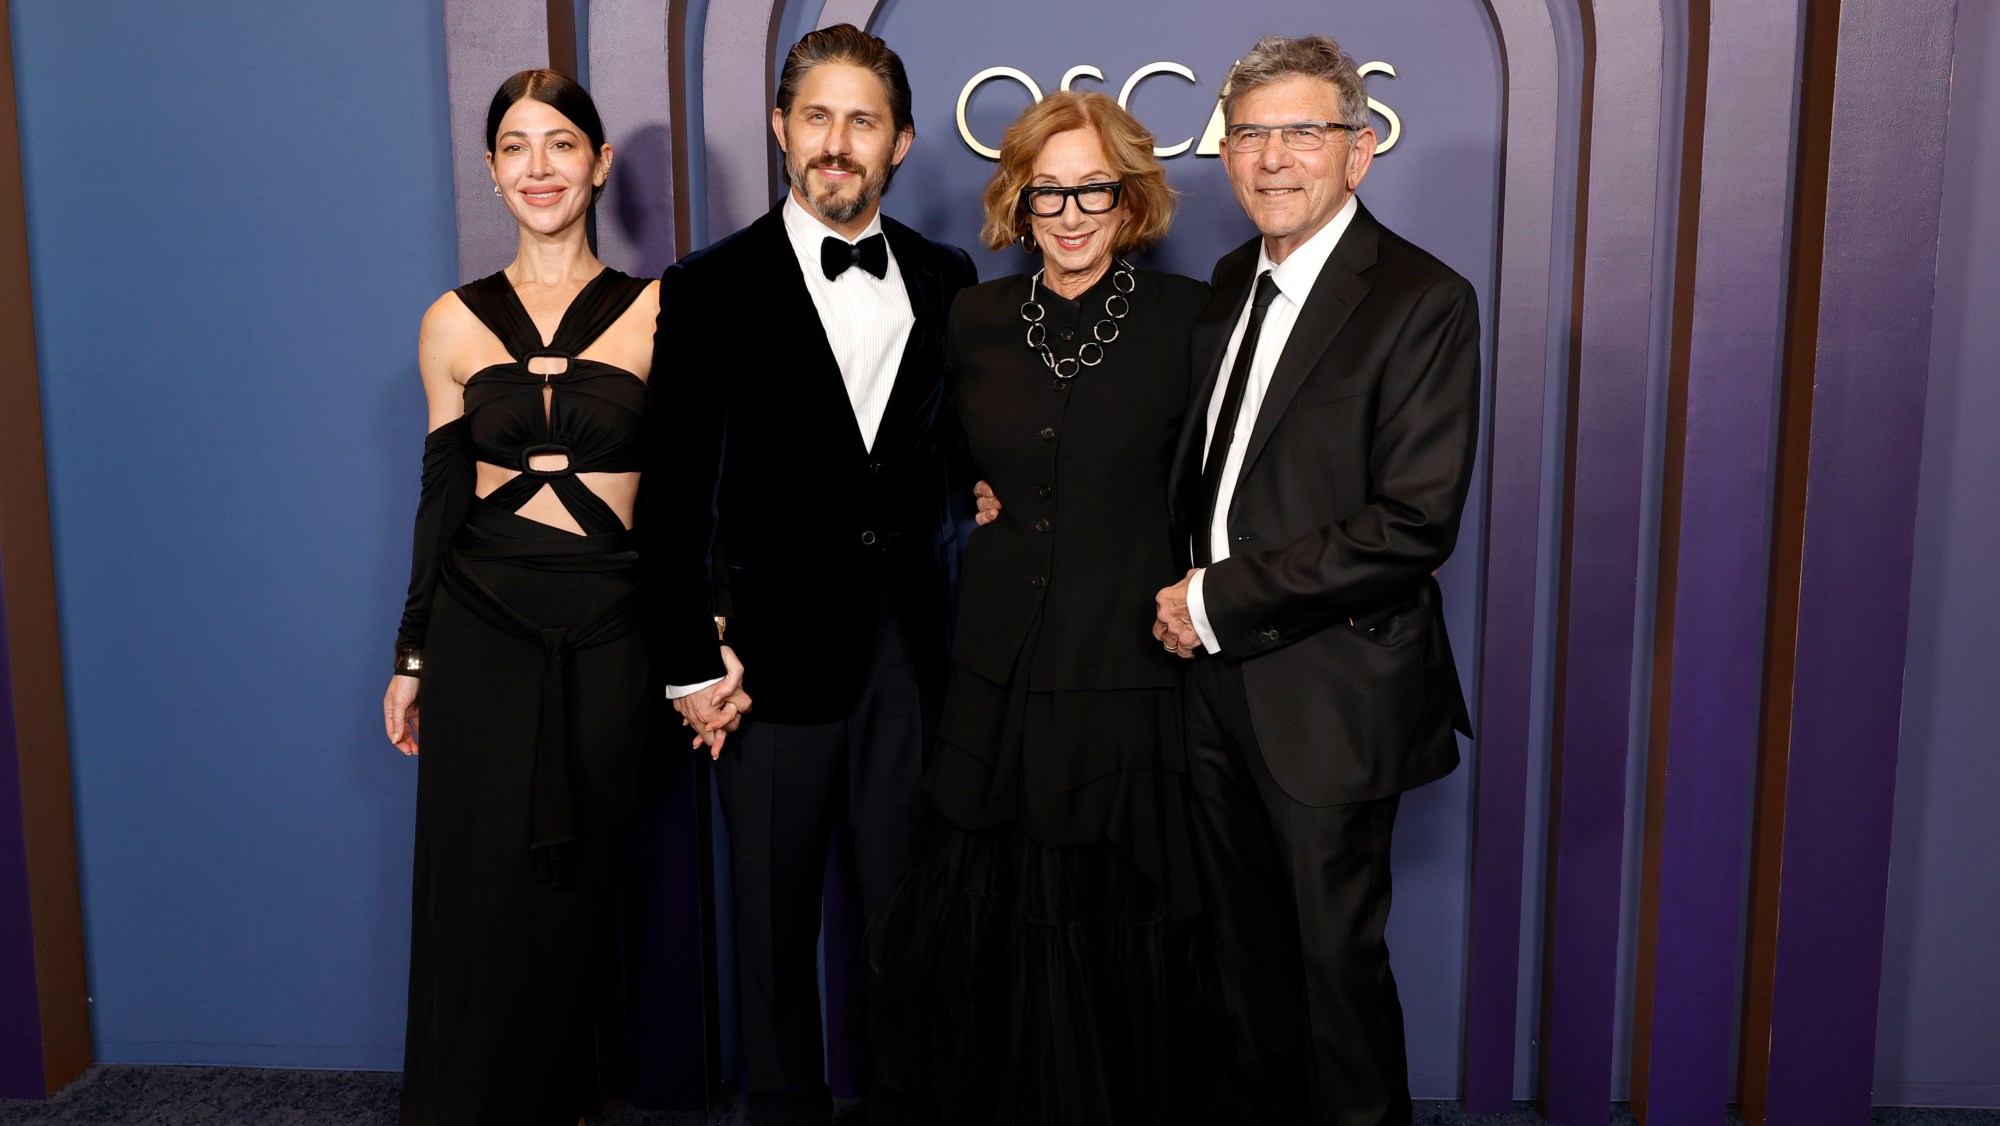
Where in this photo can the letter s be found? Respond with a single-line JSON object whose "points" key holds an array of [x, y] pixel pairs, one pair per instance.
{"points": [[1389, 115]]}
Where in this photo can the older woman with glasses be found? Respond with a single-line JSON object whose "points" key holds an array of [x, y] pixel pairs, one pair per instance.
{"points": [[1029, 965]]}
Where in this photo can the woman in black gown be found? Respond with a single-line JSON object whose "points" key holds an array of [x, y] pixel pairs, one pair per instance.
{"points": [[520, 629], [1030, 964]]}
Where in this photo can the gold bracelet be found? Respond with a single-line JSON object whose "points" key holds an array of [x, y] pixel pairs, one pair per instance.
{"points": [[409, 661]]}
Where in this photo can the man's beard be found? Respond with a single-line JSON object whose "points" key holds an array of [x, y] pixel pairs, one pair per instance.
{"points": [[829, 204]]}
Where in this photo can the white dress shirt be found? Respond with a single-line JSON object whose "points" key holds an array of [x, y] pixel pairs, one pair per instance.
{"points": [[867, 321], [1294, 277]]}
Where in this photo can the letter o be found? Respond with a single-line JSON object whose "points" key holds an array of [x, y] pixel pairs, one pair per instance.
{"points": [[978, 80]]}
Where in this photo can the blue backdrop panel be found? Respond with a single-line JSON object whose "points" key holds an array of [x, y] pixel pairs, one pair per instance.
{"points": [[237, 212]]}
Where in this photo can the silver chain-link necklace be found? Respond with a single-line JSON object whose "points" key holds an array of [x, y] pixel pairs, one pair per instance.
{"points": [[1091, 353]]}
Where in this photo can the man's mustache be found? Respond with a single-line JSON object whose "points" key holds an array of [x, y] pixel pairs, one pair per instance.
{"points": [[837, 163]]}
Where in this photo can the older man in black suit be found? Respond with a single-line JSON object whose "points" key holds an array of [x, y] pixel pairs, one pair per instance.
{"points": [[1319, 484], [797, 487]]}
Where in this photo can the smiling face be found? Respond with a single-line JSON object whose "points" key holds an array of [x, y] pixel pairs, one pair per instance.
{"points": [[1291, 193], [544, 167], [1076, 248], [840, 141]]}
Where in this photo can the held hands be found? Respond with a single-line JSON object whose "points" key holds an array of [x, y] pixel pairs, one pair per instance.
{"points": [[399, 712], [989, 505], [716, 711], [1173, 627]]}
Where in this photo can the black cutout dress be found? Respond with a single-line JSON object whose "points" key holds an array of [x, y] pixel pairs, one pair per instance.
{"points": [[533, 714], [1033, 966]]}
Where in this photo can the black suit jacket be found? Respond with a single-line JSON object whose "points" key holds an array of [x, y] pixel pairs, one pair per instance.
{"points": [[1354, 476], [761, 500], [1082, 543]]}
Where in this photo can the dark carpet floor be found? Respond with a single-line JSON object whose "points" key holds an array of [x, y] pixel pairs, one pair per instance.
{"points": [[234, 1096]]}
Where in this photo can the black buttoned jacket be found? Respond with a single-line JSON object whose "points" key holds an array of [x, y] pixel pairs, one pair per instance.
{"points": [[1353, 480], [1080, 466], [762, 502]]}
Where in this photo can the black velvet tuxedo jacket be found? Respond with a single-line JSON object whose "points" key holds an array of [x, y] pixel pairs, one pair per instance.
{"points": [[1354, 476], [763, 502]]}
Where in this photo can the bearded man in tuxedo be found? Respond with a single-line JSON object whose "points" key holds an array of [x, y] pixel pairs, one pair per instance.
{"points": [[804, 355]]}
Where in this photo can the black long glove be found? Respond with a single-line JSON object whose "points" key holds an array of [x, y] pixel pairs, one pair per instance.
{"points": [[447, 494]]}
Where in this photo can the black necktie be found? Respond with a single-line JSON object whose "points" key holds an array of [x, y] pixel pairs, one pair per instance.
{"points": [[1225, 419], [871, 254]]}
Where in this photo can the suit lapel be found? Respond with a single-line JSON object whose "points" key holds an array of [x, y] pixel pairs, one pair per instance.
{"points": [[819, 372], [1333, 298], [1210, 339], [913, 388], [1207, 343]]}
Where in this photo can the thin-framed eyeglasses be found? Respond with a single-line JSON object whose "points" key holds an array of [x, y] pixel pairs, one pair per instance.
{"points": [[1091, 199], [1303, 136]]}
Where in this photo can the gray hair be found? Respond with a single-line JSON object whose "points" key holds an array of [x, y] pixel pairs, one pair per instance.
{"points": [[1276, 58]]}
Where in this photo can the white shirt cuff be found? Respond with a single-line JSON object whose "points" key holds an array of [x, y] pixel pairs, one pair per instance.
{"points": [[1198, 613], [676, 691]]}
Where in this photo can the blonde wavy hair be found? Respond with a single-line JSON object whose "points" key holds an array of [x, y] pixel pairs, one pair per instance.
{"points": [[1127, 144]]}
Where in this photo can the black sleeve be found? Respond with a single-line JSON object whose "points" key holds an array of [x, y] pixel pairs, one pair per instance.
{"points": [[441, 508], [960, 473], [686, 420]]}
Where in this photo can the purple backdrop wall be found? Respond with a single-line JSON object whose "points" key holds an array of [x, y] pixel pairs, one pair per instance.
{"points": [[1940, 1015], [20, 1017]]}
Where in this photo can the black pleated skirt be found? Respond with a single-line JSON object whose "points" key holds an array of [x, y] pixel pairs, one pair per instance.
{"points": [[1035, 964]]}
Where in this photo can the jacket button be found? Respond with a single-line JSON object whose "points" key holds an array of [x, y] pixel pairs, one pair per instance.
{"points": [[1048, 432], [1059, 384], [1069, 334], [868, 537], [1038, 581], [1269, 636], [1042, 525], [1045, 491], [1242, 539], [874, 467]]}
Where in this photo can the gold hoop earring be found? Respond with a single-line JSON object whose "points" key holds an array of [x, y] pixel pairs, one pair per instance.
{"points": [[1028, 241]]}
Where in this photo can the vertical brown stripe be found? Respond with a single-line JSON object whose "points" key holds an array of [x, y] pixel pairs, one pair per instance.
{"points": [[1694, 124], [1822, 27], [562, 37], [33, 641]]}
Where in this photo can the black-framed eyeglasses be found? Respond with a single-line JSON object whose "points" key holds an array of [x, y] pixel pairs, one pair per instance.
{"points": [[1091, 199], [1303, 136]]}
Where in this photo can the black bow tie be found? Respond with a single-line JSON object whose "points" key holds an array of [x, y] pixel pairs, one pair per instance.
{"points": [[871, 254]]}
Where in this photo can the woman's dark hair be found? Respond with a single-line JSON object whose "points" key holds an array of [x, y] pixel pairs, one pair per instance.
{"points": [[552, 89]]}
